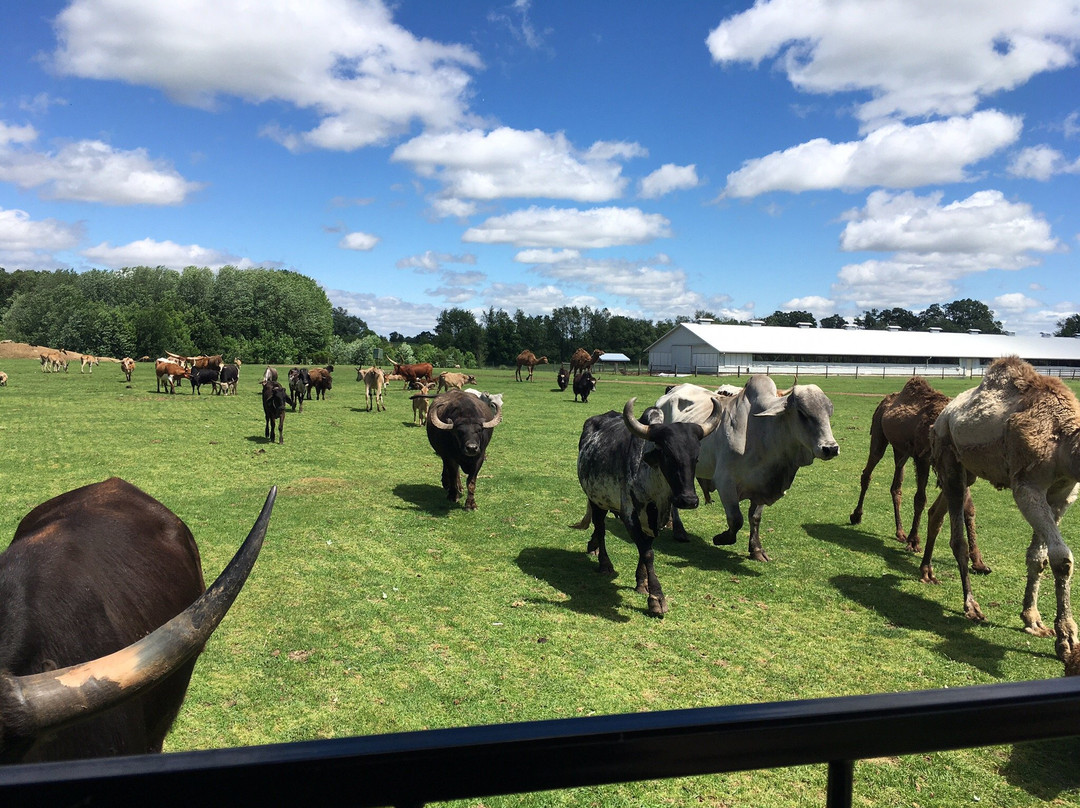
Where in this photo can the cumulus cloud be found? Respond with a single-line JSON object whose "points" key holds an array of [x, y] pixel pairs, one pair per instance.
{"points": [[894, 155], [30, 243], [444, 208], [1042, 163], [365, 77], [534, 300], [546, 256], [914, 59], [815, 304], [358, 241], [669, 177], [430, 261], [570, 228], [148, 252], [386, 314], [511, 163]]}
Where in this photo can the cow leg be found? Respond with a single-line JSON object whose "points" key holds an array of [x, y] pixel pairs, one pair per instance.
{"points": [[729, 498], [470, 487], [754, 514], [677, 528], [896, 492], [878, 444], [269, 427], [597, 543], [281, 427], [451, 480], [647, 582]]}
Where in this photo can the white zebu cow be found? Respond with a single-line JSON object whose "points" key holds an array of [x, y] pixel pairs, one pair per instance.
{"points": [[763, 440]]}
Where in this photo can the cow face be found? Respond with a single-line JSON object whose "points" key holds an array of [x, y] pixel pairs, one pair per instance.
{"points": [[806, 410], [673, 449]]}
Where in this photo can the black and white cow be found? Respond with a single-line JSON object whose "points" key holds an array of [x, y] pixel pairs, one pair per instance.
{"points": [[639, 469], [584, 383]]}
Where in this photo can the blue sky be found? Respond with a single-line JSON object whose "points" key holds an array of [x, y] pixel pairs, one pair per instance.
{"points": [[651, 158]]}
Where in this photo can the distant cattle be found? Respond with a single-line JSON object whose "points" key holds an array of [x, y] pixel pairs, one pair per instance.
{"points": [[493, 400], [207, 361], [459, 428], [420, 402], [417, 372], [638, 469], [374, 380], [88, 361], [584, 383], [319, 380], [127, 365], [448, 380], [298, 386], [764, 441], [274, 398], [3, 379], [178, 359], [563, 378], [270, 374], [89, 589], [203, 375], [528, 359], [582, 360], [169, 374], [230, 375]]}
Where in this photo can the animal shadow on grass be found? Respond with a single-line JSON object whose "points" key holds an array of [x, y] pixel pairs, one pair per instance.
{"points": [[701, 553], [886, 548], [1045, 769], [430, 498], [574, 574]]}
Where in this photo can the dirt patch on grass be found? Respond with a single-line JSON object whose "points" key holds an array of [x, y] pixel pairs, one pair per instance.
{"points": [[21, 350]]}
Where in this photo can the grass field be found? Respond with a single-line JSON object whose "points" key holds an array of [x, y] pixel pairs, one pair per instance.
{"points": [[376, 607]]}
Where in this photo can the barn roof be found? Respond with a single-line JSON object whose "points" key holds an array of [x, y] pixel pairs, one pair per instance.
{"points": [[743, 339]]}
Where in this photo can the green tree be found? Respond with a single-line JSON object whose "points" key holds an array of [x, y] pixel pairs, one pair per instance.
{"points": [[833, 321], [1069, 327], [348, 326], [966, 314], [790, 319], [501, 335], [457, 328]]}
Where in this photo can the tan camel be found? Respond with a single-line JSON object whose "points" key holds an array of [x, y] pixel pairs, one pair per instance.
{"points": [[528, 359], [582, 361]]}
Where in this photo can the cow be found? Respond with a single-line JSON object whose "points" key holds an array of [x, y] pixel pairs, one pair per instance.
{"points": [[493, 400], [298, 386], [127, 365], [270, 374], [562, 379], [449, 380], [320, 380], [230, 375], [417, 372], [394, 377], [420, 402], [582, 360], [459, 428], [904, 420], [203, 375], [528, 359], [1021, 431], [169, 374], [639, 469], [102, 596], [584, 383], [208, 361], [88, 361], [765, 438], [374, 380], [178, 359], [3, 379], [274, 398]]}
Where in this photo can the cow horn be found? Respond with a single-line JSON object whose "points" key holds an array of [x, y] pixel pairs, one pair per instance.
{"points": [[46, 701], [496, 419], [710, 425], [633, 424], [433, 418]]}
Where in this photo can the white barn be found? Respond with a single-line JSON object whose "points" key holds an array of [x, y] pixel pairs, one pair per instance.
{"points": [[708, 348]]}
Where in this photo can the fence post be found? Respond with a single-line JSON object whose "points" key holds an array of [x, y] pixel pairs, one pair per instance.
{"points": [[839, 790]]}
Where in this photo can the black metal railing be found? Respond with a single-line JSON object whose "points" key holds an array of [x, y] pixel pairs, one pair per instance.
{"points": [[414, 768]]}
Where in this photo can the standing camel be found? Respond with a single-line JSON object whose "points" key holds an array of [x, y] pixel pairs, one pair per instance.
{"points": [[528, 359], [903, 420], [1021, 431], [582, 361]]}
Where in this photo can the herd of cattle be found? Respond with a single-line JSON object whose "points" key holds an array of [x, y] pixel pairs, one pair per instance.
{"points": [[73, 655]]}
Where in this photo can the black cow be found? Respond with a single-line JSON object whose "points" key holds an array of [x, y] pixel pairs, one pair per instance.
{"points": [[201, 376], [298, 386], [638, 469], [274, 400], [230, 375], [584, 383], [563, 379], [459, 427], [88, 574]]}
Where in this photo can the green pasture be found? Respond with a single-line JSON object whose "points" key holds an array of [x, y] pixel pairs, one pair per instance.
{"points": [[376, 607]]}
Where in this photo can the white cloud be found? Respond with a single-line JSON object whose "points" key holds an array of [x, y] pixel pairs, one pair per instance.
{"points": [[386, 314], [914, 59], [27, 243], [570, 227], [430, 261], [1014, 303], [517, 20], [366, 78], [148, 252], [669, 177], [534, 300], [358, 241], [16, 134], [895, 156], [1042, 163], [546, 256], [511, 163], [815, 304], [449, 207]]}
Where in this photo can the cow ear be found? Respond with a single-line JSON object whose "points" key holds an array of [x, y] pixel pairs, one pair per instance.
{"points": [[652, 457]]}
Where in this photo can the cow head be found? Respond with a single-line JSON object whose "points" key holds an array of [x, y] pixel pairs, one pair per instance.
{"points": [[468, 431], [806, 410]]}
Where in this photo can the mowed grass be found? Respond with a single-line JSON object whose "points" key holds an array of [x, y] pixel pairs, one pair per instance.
{"points": [[378, 607]]}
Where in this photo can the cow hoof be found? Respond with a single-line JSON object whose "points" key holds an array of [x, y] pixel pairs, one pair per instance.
{"points": [[657, 605], [725, 538], [855, 518]]}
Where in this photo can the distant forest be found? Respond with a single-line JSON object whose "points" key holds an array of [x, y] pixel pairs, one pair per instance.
{"points": [[271, 315]]}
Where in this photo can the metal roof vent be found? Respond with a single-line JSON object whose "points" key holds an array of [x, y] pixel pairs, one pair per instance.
{"points": [[934, 330], [804, 325], [705, 320], [757, 323], [974, 330], [892, 328]]}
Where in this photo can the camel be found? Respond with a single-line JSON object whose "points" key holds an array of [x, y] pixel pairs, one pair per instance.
{"points": [[529, 360], [1021, 431], [582, 361], [903, 420]]}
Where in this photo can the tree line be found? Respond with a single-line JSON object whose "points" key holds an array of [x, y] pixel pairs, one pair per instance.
{"points": [[279, 316]]}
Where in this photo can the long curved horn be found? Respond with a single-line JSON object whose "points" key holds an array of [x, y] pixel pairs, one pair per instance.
{"points": [[714, 420], [433, 418], [45, 701], [496, 419], [633, 424]]}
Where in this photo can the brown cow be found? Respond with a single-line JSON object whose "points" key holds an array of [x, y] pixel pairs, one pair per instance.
{"points": [[3, 379], [168, 373], [416, 372], [457, 381], [207, 361], [127, 364], [582, 360], [374, 380], [321, 381], [420, 402], [528, 359]]}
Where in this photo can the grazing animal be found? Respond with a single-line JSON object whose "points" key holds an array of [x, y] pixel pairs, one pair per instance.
{"points": [[584, 383], [459, 428], [89, 588], [374, 380], [169, 374], [54, 361], [88, 362], [298, 386], [528, 359], [639, 469], [320, 380], [3, 379], [493, 400], [207, 361], [1021, 431], [230, 375], [420, 402], [203, 375], [449, 380], [127, 365], [416, 372], [563, 378], [274, 399], [903, 420], [270, 374], [582, 360], [178, 359], [393, 377], [764, 439]]}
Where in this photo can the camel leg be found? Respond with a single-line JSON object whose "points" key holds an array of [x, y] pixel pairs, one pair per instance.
{"points": [[1047, 548], [954, 482], [896, 492], [878, 444], [977, 563], [922, 477], [935, 518]]}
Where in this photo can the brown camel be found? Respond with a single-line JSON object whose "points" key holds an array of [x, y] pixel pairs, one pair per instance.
{"points": [[529, 360], [1021, 431], [903, 420], [582, 361]]}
